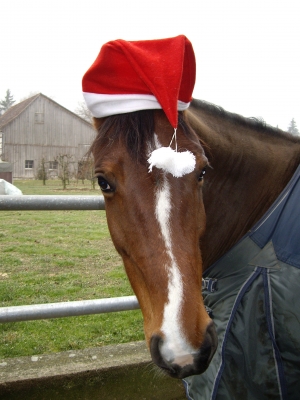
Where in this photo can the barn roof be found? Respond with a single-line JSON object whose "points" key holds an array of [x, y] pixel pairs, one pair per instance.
{"points": [[14, 111]]}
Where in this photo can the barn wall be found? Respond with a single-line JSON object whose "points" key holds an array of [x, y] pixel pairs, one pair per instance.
{"points": [[44, 130]]}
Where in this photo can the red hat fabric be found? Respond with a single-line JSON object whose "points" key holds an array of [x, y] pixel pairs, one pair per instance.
{"points": [[141, 75]]}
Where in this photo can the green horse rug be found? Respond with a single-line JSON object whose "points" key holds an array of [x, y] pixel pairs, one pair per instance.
{"points": [[253, 295]]}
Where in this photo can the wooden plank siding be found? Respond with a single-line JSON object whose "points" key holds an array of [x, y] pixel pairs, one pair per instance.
{"points": [[44, 129]]}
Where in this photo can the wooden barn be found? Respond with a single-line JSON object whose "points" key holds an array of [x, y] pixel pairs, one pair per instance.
{"points": [[39, 130]]}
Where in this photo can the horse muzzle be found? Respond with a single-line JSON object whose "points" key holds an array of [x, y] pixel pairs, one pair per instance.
{"points": [[188, 364]]}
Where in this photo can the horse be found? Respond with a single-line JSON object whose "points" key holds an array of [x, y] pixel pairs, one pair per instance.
{"points": [[170, 230]]}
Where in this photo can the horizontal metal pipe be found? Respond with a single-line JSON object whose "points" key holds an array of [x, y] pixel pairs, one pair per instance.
{"points": [[51, 202], [67, 309]]}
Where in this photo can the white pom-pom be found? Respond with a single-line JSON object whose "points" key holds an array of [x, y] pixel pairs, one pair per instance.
{"points": [[176, 163]]}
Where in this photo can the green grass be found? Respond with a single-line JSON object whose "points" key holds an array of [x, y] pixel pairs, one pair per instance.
{"points": [[53, 256], [54, 186]]}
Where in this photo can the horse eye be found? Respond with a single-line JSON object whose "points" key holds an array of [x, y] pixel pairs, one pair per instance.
{"points": [[201, 176], [104, 185]]}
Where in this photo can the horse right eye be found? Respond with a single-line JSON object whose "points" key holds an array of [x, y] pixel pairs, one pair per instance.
{"points": [[104, 185]]}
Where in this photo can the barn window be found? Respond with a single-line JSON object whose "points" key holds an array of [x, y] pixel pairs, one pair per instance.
{"points": [[53, 164], [39, 117], [29, 164]]}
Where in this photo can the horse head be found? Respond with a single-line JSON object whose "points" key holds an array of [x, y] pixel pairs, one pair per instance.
{"points": [[156, 221]]}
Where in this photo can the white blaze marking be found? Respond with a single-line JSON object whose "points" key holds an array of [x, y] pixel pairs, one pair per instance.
{"points": [[175, 347]]}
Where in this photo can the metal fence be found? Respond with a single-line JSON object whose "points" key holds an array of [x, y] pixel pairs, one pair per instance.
{"points": [[51, 202], [63, 309]]}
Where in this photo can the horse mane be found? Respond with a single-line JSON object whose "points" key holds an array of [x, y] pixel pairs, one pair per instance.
{"points": [[135, 129], [257, 124]]}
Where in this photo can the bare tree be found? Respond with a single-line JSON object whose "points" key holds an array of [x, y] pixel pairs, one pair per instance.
{"points": [[86, 170], [84, 112], [64, 162], [42, 172], [31, 94]]}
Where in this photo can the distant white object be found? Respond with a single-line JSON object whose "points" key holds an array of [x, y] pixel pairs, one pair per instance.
{"points": [[9, 189]]}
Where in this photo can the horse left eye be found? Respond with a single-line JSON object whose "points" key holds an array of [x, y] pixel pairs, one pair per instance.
{"points": [[202, 173]]}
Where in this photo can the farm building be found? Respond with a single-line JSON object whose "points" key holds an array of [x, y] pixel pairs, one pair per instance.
{"points": [[39, 130]]}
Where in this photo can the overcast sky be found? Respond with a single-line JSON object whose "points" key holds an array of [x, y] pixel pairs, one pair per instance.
{"points": [[247, 52]]}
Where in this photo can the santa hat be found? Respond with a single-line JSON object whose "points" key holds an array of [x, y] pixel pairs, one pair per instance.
{"points": [[141, 75]]}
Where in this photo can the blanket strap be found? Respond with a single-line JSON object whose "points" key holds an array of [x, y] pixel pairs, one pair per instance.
{"points": [[209, 284]]}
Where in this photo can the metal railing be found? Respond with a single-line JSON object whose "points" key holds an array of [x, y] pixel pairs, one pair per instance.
{"points": [[51, 202], [70, 308], [67, 309]]}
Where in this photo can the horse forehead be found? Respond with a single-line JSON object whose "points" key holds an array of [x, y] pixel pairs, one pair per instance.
{"points": [[108, 155], [184, 142], [114, 155]]}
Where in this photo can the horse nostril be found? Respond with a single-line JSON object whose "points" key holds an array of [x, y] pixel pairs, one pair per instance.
{"points": [[155, 349], [155, 344]]}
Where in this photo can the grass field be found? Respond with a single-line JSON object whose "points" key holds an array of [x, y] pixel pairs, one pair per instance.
{"points": [[53, 256]]}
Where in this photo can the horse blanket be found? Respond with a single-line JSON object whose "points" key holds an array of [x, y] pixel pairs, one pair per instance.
{"points": [[253, 293]]}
